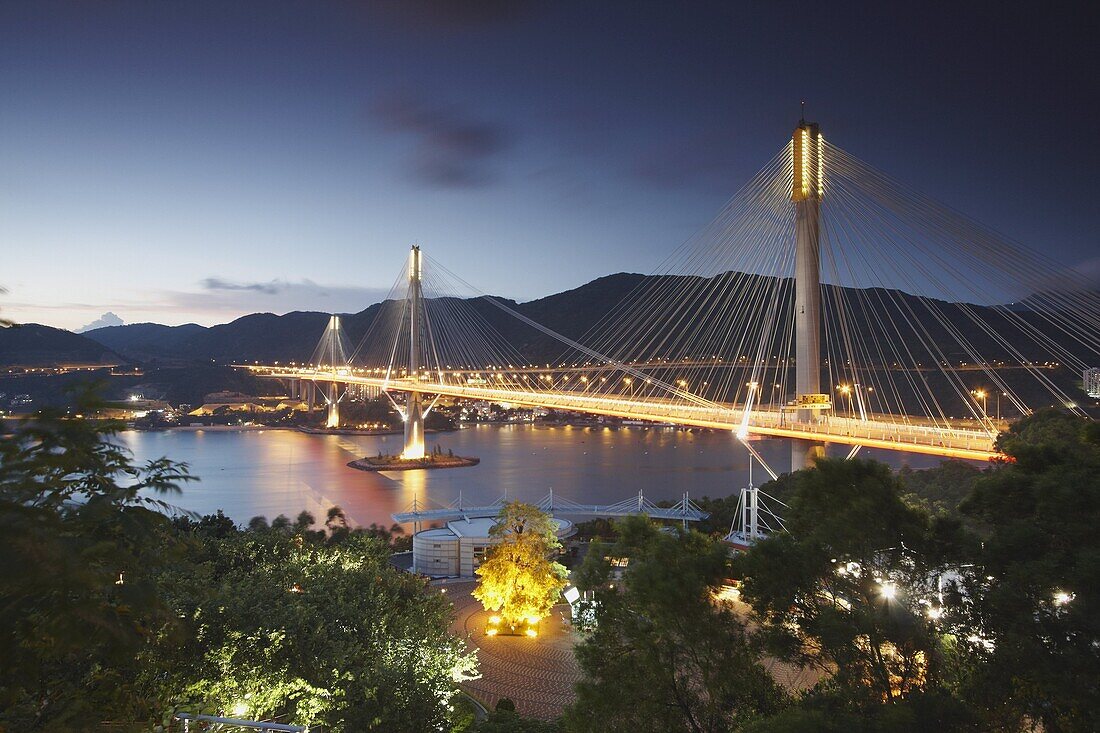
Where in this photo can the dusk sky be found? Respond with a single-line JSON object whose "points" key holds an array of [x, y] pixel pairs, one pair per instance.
{"points": [[193, 162]]}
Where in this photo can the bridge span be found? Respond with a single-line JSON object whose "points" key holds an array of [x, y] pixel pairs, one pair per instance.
{"points": [[900, 435]]}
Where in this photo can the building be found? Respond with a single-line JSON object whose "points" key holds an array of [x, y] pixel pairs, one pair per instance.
{"points": [[458, 549], [1092, 381]]}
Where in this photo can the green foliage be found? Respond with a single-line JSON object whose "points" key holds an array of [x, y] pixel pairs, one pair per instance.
{"points": [[830, 712], [846, 591], [310, 631], [81, 543], [463, 714], [1042, 512], [941, 488], [665, 655], [518, 579], [503, 720], [111, 611]]}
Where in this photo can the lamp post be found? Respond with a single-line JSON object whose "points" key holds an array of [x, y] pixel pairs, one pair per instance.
{"points": [[844, 389], [981, 395]]}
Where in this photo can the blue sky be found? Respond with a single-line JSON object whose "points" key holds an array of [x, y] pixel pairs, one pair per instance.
{"points": [[179, 162]]}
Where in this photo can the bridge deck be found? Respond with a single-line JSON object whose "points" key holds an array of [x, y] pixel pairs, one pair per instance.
{"points": [[901, 434]]}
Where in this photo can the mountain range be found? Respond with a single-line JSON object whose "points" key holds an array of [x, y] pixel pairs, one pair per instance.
{"points": [[266, 337]]}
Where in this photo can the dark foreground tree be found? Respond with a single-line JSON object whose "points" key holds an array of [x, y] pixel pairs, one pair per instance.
{"points": [[1036, 613], [851, 589], [665, 655], [80, 543]]}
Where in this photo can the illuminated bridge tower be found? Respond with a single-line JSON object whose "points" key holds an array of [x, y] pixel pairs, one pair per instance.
{"points": [[414, 410], [806, 192], [337, 360]]}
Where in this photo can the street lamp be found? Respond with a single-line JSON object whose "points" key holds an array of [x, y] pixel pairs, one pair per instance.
{"points": [[844, 389], [981, 395]]}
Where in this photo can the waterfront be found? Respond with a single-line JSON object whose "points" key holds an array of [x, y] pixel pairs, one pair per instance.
{"points": [[271, 472]]}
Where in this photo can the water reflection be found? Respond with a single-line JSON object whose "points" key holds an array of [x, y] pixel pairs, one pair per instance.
{"points": [[271, 472]]}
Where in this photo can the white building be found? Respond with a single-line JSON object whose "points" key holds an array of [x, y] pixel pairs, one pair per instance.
{"points": [[458, 549], [1092, 381]]}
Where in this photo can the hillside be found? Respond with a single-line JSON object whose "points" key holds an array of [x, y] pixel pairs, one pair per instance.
{"points": [[35, 345], [267, 337]]}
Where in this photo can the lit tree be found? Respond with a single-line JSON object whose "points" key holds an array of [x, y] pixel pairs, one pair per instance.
{"points": [[518, 579], [294, 628]]}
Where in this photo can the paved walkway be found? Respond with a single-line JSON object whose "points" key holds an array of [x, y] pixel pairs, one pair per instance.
{"points": [[536, 674]]}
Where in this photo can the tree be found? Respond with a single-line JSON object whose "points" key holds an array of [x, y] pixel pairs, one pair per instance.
{"points": [[848, 589], [665, 654], [518, 578], [81, 541], [942, 487], [1034, 621], [310, 632]]}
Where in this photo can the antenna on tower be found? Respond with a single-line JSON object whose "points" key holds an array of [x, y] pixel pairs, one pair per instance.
{"points": [[803, 120]]}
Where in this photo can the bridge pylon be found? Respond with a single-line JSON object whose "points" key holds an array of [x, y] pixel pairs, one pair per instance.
{"points": [[414, 409], [808, 151]]}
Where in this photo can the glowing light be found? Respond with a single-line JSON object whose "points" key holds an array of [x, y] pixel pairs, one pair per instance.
{"points": [[490, 632], [494, 620], [1061, 597], [532, 633], [935, 612], [889, 591], [240, 709], [820, 165]]}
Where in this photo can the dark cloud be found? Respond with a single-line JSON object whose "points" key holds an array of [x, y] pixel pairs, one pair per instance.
{"points": [[451, 149], [216, 283], [105, 320]]}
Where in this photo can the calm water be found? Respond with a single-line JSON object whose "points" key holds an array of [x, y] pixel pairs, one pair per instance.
{"points": [[271, 472]]}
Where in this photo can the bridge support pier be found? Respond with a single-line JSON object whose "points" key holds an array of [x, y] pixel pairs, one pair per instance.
{"points": [[332, 416], [806, 192]]}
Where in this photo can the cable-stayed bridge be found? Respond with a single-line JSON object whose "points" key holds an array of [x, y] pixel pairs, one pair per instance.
{"points": [[826, 303]]}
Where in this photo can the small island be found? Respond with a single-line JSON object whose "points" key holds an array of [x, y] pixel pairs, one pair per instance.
{"points": [[435, 459]]}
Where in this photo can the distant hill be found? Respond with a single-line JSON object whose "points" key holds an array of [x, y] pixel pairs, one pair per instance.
{"points": [[266, 337], [147, 341], [34, 345]]}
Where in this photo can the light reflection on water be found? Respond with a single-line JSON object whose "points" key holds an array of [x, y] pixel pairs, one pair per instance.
{"points": [[271, 472]]}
